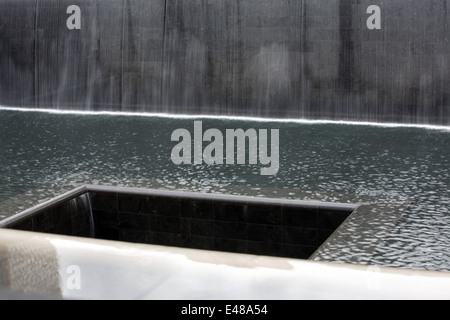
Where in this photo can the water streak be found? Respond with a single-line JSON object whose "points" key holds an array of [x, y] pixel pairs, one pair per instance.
{"points": [[267, 59]]}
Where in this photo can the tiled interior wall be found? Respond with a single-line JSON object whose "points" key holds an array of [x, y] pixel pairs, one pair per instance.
{"points": [[266, 229]]}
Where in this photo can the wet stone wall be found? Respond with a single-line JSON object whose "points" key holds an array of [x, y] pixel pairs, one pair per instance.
{"points": [[317, 59]]}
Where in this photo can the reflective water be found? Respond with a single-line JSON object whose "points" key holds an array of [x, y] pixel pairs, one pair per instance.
{"points": [[40, 152]]}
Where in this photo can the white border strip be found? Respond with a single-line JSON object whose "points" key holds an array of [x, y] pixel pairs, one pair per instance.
{"points": [[223, 117]]}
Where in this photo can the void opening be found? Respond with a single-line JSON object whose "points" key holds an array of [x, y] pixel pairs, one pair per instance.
{"points": [[251, 225]]}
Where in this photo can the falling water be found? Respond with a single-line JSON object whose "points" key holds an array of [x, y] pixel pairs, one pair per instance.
{"points": [[284, 59], [82, 215], [87, 196]]}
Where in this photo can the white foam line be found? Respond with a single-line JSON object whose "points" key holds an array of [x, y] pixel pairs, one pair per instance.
{"points": [[224, 117]]}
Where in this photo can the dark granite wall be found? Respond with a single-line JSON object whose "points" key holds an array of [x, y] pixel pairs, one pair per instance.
{"points": [[294, 59]]}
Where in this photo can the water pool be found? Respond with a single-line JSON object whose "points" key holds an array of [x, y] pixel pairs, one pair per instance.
{"points": [[42, 153]]}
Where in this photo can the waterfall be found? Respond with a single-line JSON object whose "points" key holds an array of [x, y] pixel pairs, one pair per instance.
{"points": [[82, 216], [91, 216], [283, 59]]}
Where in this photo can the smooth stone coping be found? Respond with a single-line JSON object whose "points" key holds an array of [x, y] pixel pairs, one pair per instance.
{"points": [[158, 272]]}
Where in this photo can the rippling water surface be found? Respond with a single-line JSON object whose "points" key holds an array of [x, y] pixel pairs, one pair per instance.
{"points": [[37, 149]]}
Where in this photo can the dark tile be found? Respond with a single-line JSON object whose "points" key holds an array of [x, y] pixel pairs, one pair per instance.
{"points": [[79, 221], [331, 219], [165, 239], [232, 212], [266, 233], [231, 245], [133, 221], [86, 233], [66, 229], [63, 212], [230, 230], [24, 225], [198, 242], [172, 207], [187, 208], [300, 236], [264, 248], [107, 233], [43, 221], [297, 252], [264, 214], [299, 217], [323, 235], [53, 230], [160, 223], [106, 219], [134, 235], [207, 210], [191, 208], [104, 201], [132, 203], [197, 227], [166, 206]]}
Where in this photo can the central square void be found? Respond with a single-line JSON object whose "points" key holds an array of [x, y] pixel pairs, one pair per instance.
{"points": [[239, 224]]}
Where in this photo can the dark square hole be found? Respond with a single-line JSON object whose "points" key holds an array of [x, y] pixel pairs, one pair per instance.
{"points": [[235, 224]]}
